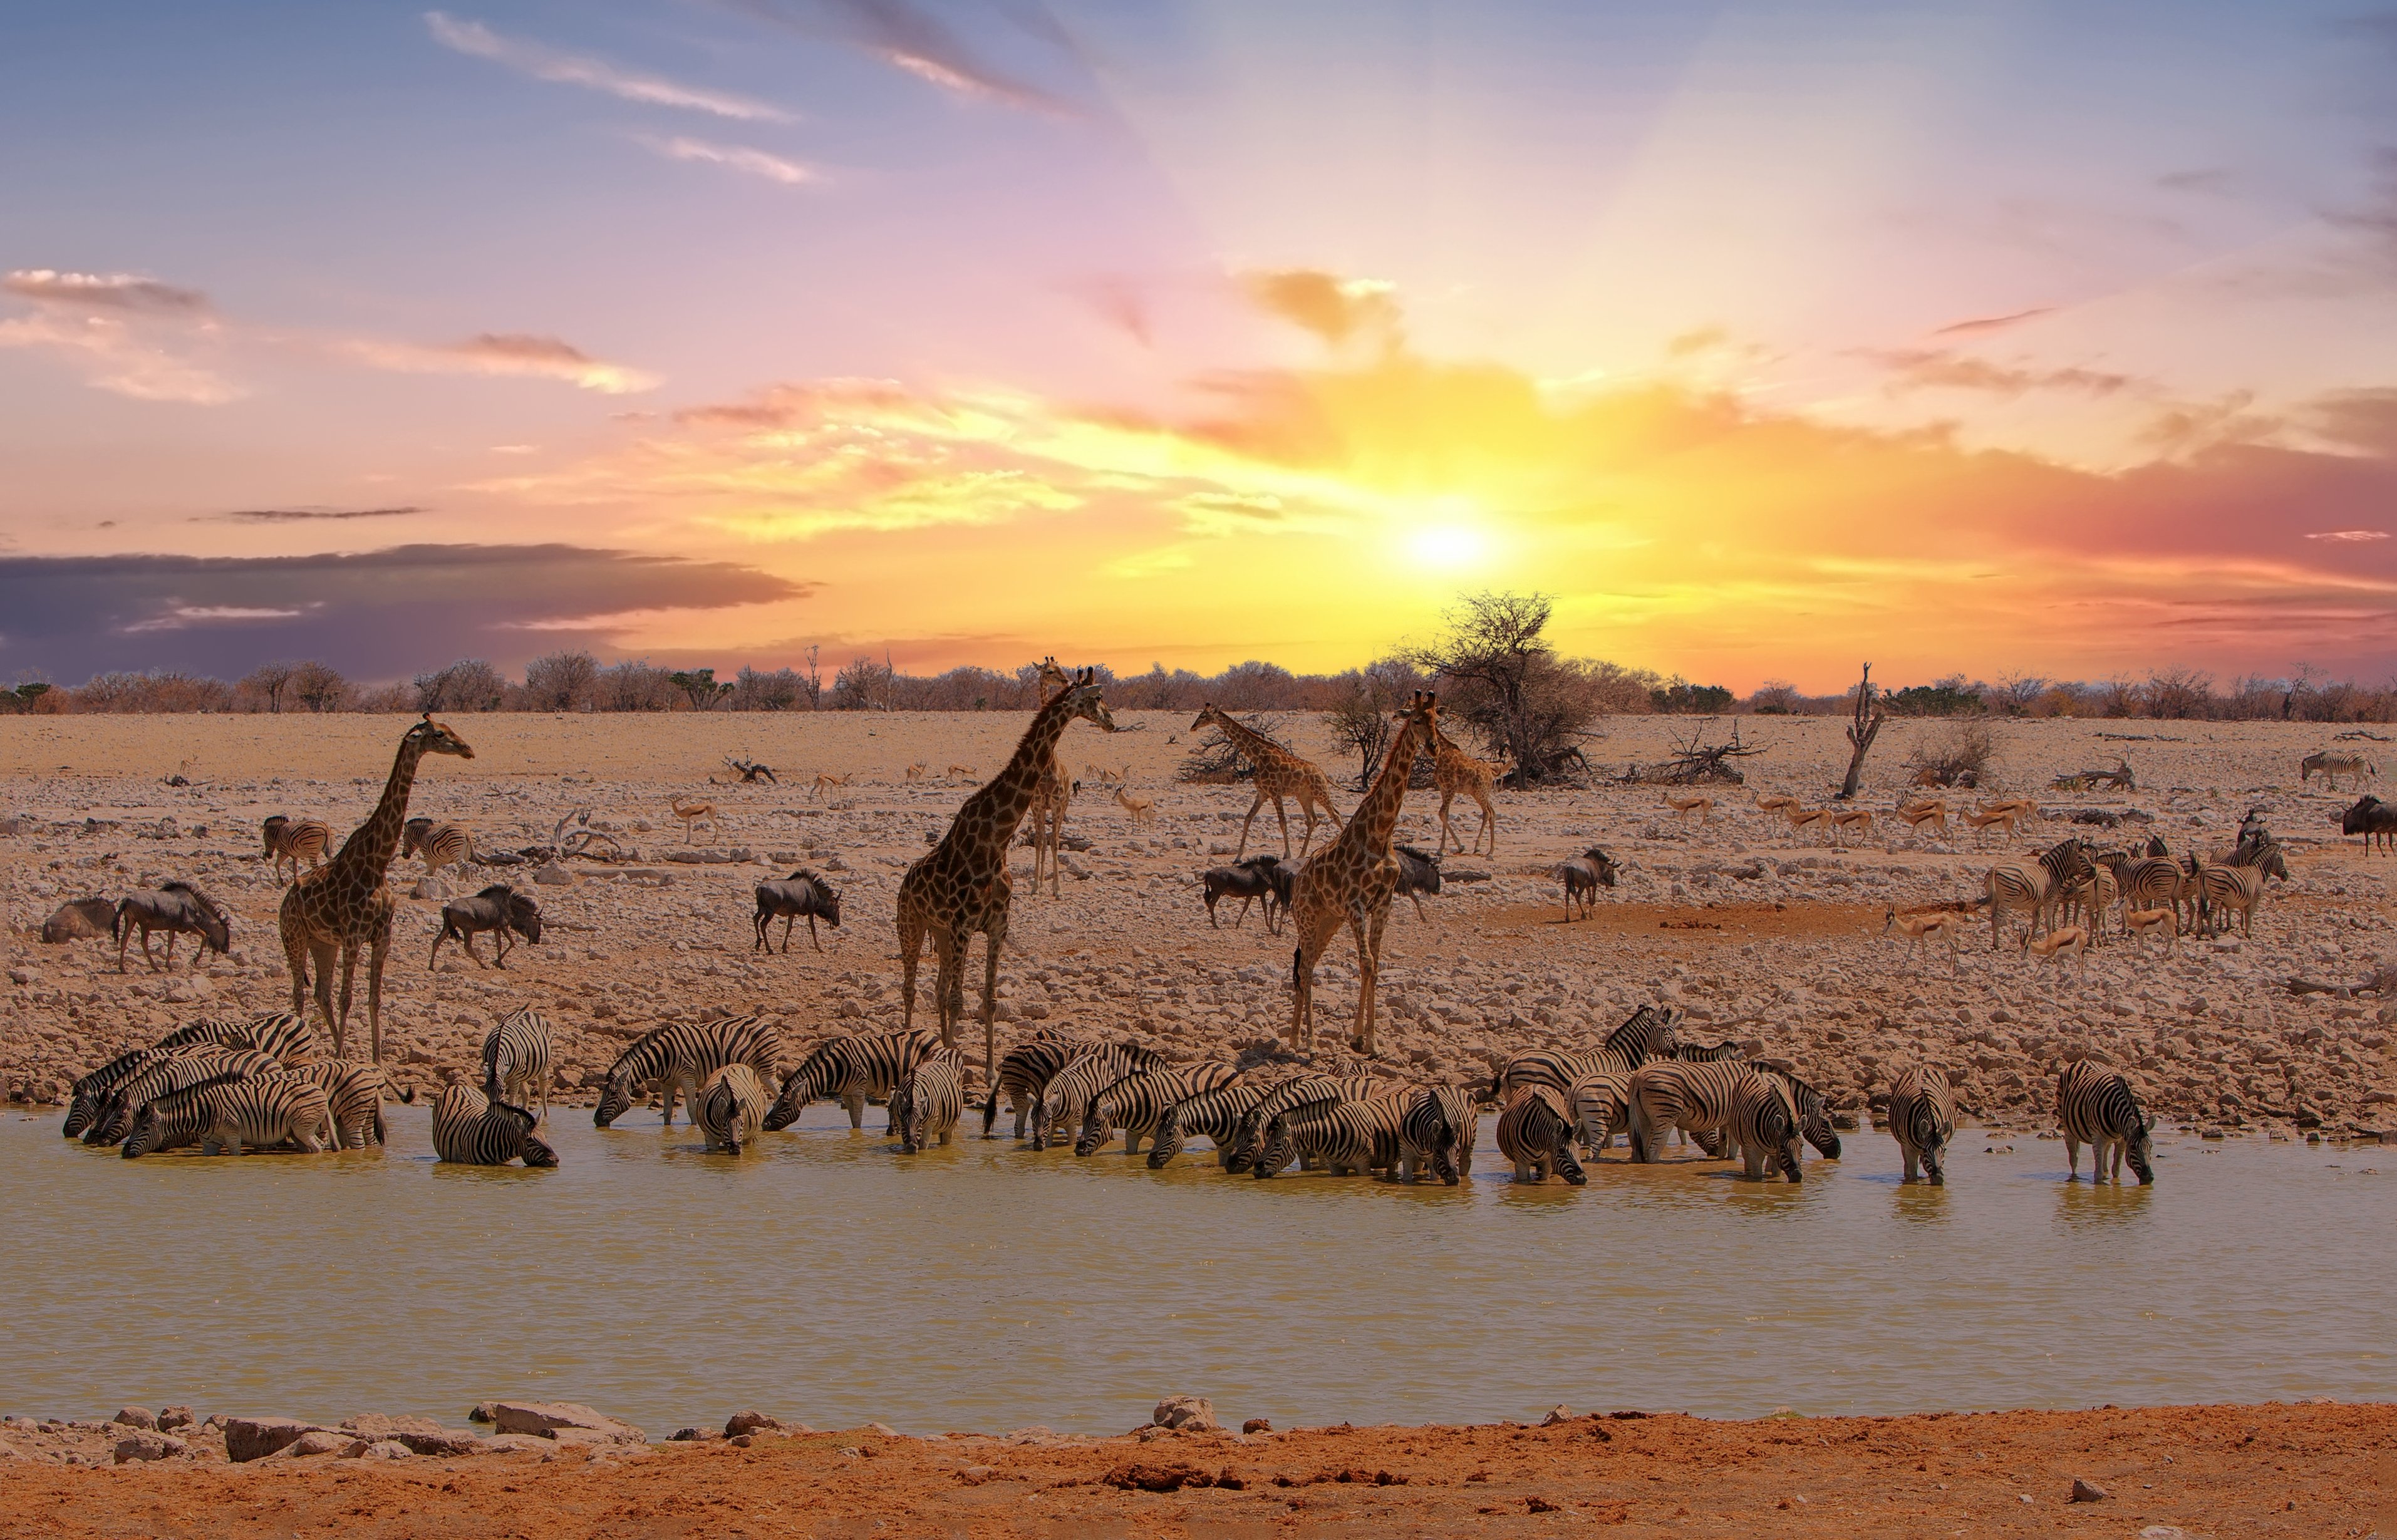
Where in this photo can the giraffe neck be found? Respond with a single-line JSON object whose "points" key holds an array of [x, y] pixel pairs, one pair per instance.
{"points": [[1255, 744], [373, 844], [994, 813], [1369, 827]]}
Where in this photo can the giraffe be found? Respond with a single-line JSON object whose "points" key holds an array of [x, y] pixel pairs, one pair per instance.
{"points": [[342, 905], [1279, 774], [1353, 878], [1052, 795], [1456, 773], [961, 887]]}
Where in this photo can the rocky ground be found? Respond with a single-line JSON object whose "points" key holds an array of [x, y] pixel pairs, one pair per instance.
{"points": [[1759, 935], [2158, 1473]]}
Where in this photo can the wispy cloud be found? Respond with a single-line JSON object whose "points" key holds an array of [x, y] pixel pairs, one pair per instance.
{"points": [[907, 37], [503, 354], [1983, 326], [1931, 369], [103, 290], [2350, 536], [545, 63], [739, 157], [121, 360], [185, 616], [299, 515]]}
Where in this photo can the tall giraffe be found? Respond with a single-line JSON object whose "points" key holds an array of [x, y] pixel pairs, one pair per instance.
{"points": [[1051, 794], [343, 906], [1279, 774], [962, 887], [1456, 773], [1353, 879]]}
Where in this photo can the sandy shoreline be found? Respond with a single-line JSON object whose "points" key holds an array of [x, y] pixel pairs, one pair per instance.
{"points": [[2165, 1472]]}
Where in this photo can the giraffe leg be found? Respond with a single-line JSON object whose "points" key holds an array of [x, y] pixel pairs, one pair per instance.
{"points": [[323, 955], [1251, 819], [948, 992], [1489, 822], [1445, 836], [1282, 812], [997, 934], [349, 983], [911, 947], [378, 949], [1369, 954]]}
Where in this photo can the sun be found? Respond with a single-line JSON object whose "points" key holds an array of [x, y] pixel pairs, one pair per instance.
{"points": [[1448, 546]]}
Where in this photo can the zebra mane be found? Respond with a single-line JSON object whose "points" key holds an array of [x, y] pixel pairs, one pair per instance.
{"points": [[1633, 1034]]}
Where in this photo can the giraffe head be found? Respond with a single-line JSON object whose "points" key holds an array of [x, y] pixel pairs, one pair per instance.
{"points": [[1423, 708], [432, 737], [1211, 712], [1082, 699], [1052, 679]]}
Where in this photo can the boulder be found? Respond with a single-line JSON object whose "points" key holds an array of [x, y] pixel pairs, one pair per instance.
{"points": [[83, 916], [382, 1449], [421, 1435], [174, 1417], [146, 1445], [2083, 1492], [547, 1419], [516, 1443], [753, 1422], [135, 1417], [1186, 1414], [317, 1441], [255, 1438]]}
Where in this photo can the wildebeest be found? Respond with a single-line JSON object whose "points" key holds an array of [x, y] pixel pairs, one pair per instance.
{"points": [[1584, 875], [802, 892], [2372, 818], [1247, 880], [79, 918], [499, 909], [1418, 874], [176, 908]]}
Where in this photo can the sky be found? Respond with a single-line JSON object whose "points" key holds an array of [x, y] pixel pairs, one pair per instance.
{"points": [[1990, 338]]}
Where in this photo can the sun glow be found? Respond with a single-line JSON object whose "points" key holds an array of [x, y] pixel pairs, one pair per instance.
{"points": [[1449, 547]]}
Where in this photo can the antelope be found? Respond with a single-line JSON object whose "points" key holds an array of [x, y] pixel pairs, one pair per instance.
{"points": [[2023, 806], [1807, 818], [1849, 818], [1142, 808], [2061, 941], [1916, 814], [1928, 776], [2140, 921], [694, 814], [916, 771], [1684, 806], [2002, 817], [1775, 803], [825, 778], [1919, 929], [2092, 896], [1100, 773], [963, 773]]}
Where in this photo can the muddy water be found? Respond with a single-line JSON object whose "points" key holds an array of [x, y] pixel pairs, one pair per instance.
{"points": [[986, 1287]]}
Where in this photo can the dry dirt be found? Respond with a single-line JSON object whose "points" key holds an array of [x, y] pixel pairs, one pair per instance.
{"points": [[2312, 1470], [1758, 934]]}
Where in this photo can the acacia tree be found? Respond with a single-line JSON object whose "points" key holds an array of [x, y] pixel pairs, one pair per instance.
{"points": [[469, 684], [319, 687], [1502, 678], [267, 682], [561, 681]]}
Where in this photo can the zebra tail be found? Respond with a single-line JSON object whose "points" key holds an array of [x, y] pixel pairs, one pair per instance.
{"points": [[990, 1106]]}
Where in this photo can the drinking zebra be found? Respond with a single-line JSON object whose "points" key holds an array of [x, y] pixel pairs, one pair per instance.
{"points": [[679, 1056], [1137, 1103], [1922, 1119], [1814, 1114], [471, 1129], [2095, 1106], [1764, 1125], [1025, 1072], [1600, 1108], [516, 1059], [1344, 1138], [926, 1105], [852, 1071], [354, 1095], [1646, 1034], [729, 1107], [167, 1122], [1070, 1091], [1247, 1140], [1536, 1133], [1217, 1114], [258, 1114], [90, 1092], [1666, 1094], [305, 840], [1437, 1126], [180, 1072]]}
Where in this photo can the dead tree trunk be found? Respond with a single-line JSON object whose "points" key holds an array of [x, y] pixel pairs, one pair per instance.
{"points": [[1861, 733]]}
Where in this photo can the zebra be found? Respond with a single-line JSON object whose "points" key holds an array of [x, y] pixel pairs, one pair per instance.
{"points": [[1667, 1093], [167, 1076], [2033, 883], [469, 1129], [1922, 1119], [852, 1071], [1814, 1114], [680, 1055], [516, 1059], [1437, 1126], [178, 908], [169, 1122], [2091, 897], [2096, 1107], [1601, 1106], [729, 1107], [1691, 1053], [1346, 1138], [441, 844], [1763, 1126], [1071, 1090], [802, 892], [305, 840], [1646, 1034], [2333, 764], [1136, 1103], [90, 1092], [2239, 882], [2149, 882], [265, 1111], [926, 1105], [354, 1095], [1248, 1139], [1024, 1071], [1535, 1132], [231, 1031], [1217, 1114]]}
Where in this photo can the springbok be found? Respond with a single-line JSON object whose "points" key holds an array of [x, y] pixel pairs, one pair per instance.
{"points": [[1775, 803], [2061, 941], [1807, 818], [694, 812], [963, 773], [916, 771], [1843, 819], [2140, 921], [2003, 818], [1916, 814], [1919, 929], [1684, 806], [825, 778], [1142, 807]]}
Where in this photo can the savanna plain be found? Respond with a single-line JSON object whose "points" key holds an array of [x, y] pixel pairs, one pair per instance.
{"points": [[1756, 932]]}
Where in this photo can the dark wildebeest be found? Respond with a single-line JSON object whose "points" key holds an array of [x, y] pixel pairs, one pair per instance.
{"points": [[1247, 880], [2375, 820], [82, 917], [176, 908], [802, 892], [1418, 873], [1584, 875], [499, 909]]}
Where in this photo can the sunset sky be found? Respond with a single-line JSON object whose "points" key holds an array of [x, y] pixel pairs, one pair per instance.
{"points": [[1982, 337]]}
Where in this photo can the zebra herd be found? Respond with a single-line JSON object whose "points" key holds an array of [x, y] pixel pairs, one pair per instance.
{"points": [[2070, 886], [230, 1084]]}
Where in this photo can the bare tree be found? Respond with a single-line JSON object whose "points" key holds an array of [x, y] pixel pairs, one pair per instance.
{"points": [[635, 687], [1360, 721], [1861, 733], [561, 681], [267, 682], [863, 686], [319, 687], [2015, 694], [2179, 692], [812, 680], [469, 684]]}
